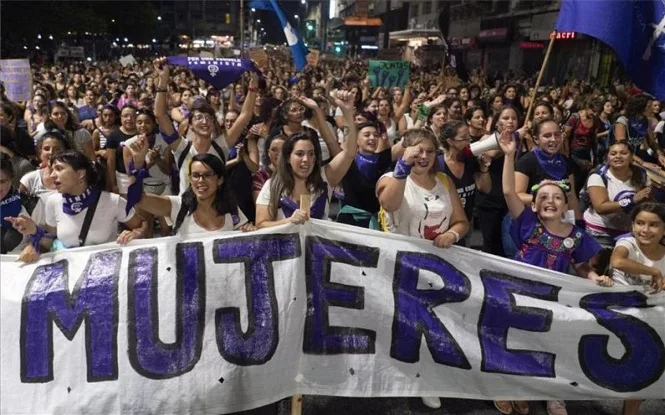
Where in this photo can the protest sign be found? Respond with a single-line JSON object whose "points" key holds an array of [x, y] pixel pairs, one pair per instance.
{"points": [[15, 74], [313, 57], [388, 73], [128, 60], [71, 52], [228, 322], [260, 57]]}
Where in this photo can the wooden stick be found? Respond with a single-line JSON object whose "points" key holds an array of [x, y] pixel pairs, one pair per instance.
{"points": [[296, 404], [296, 400], [540, 77], [305, 202]]}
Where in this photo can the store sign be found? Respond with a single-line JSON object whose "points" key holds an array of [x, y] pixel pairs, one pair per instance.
{"points": [[563, 35], [531, 45]]}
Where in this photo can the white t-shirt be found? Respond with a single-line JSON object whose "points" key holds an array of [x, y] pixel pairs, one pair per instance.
{"points": [[184, 169], [264, 197], [325, 153], [616, 189], [423, 213], [35, 186], [636, 254], [190, 227], [104, 227]]}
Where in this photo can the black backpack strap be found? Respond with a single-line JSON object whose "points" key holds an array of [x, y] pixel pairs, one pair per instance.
{"points": [[182, 213], [88, 220], [183, 155], [219, 150]]}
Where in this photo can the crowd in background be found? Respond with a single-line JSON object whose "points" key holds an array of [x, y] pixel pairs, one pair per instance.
{"points": [[103, 153]]}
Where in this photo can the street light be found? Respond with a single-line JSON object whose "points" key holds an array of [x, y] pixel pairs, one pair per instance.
{"points": [[50, 37], [39, 36], [253, 9], [303, 2], [258, 20], [154, 41], [112, 20], [125, 39], [159, 18]]}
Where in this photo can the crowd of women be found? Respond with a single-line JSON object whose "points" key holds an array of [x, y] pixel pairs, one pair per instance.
{"points": [[103, 153]]}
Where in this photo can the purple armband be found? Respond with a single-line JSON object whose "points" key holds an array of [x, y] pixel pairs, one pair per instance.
{"points": [[36, 238], [402, 169], [170, 139], [627, 202]]}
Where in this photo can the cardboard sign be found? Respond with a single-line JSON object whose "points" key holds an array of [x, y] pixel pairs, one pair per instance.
{"points": [[313, 57], [15, 74], [260, 57], [128, 60], [388, 73]]}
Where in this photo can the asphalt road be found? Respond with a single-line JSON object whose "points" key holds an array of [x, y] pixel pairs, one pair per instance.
{"points": [[328, 405]]}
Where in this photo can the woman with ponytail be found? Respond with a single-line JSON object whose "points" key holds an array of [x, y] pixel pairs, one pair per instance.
{"points": [[208, 203], [81, 213]]}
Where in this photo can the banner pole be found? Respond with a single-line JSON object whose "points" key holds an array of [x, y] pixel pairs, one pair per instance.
{"points": [[296, 400], [540, 77]]}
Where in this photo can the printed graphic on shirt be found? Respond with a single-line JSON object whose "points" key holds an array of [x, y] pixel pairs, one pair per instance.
{"points": [[431, 225]]}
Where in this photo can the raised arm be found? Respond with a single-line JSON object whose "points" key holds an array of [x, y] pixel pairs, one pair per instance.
{"points": [[508, 145], [326, 133], [339, 165], [163, 121], [390, 190], [233, 134], [135, 155]]}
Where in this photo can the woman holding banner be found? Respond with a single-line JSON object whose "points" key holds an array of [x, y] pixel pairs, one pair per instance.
{"points": [[207, 204], [300, 173], [417, 201], [81, 213]]}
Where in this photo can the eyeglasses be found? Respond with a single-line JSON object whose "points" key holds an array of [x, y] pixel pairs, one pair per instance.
{"points": [[201, 117], [198, 176]]}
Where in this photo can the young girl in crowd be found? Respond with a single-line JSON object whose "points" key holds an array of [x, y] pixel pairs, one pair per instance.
{"points": [[117, 174], [109, 120], [543, 239], [639, 259]]}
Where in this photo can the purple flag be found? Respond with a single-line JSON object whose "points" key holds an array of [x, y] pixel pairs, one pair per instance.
{"points": [[218, 72]]}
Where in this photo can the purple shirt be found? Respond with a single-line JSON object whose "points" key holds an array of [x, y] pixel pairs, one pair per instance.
{"points": [[536, 246]]}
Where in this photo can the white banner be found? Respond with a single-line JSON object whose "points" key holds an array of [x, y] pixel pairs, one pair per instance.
{"points": [[228, 323]]}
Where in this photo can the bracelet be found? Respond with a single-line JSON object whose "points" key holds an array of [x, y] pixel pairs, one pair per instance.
{"points": [[252, 89], [36, 238], [160, 90], [455, 233], [402, 169]]}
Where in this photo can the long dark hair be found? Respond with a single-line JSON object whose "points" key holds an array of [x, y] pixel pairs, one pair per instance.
{"points": [[637, 178], [657, 209], [283, 180], [449, 131], [70, 124], [224, 201], [94, 171], [53, 135], [497, 117]]}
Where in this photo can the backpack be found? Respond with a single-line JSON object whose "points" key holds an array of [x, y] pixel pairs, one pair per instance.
{"points": [[175, 178], [583, 197]]}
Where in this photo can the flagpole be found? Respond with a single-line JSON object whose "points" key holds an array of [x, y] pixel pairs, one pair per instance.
{"points": [[540, 77]]}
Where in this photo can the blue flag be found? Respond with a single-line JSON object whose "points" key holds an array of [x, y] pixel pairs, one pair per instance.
{"points": [[634, 29], [298, 49]]}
